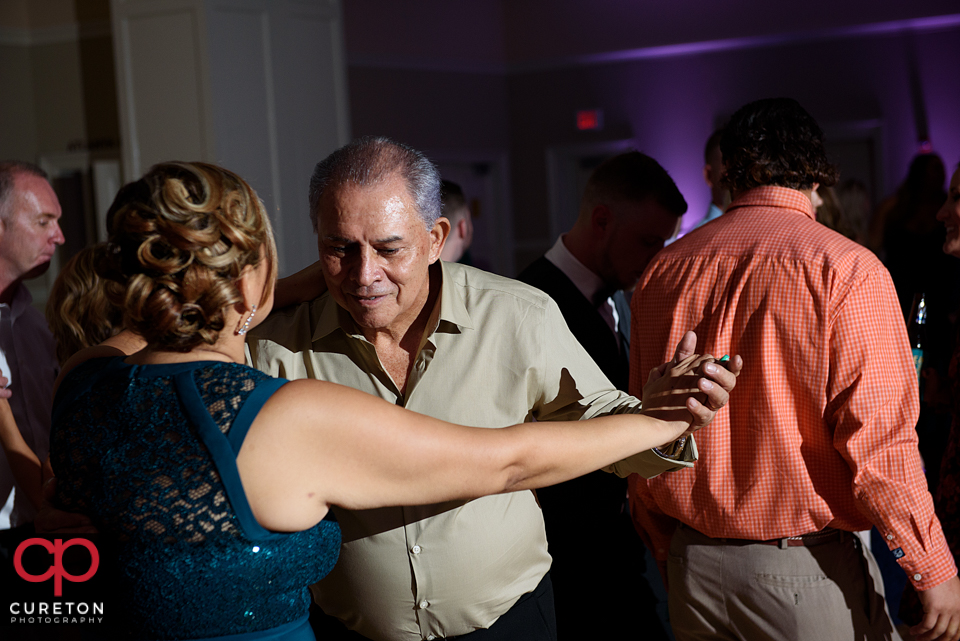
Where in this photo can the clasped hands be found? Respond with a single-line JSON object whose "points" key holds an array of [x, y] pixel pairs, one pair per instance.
{"points": [[691, 388]]}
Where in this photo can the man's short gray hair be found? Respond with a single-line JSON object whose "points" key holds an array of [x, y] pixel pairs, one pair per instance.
{"points": [[371, 160], [8, 171]]}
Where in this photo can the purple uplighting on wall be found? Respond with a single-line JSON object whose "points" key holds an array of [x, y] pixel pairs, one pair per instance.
{"points": [[752, 42], [876, 76]]}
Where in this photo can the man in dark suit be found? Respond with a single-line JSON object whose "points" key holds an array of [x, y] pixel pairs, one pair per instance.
{"points": [[630, 207]]}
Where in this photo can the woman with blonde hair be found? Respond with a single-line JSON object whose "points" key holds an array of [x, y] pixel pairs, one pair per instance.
{"points": [[214, 479], [78, 311]]}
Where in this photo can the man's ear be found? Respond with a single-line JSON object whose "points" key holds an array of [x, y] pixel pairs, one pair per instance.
{"points": [[438, 236], [601, 218], [461, 229]]}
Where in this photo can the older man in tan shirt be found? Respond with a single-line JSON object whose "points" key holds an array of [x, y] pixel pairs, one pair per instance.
{"points": [[455, 343]]}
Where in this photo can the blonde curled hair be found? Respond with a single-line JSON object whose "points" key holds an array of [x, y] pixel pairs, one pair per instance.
{"points": [[78, 311], [180, 238]]}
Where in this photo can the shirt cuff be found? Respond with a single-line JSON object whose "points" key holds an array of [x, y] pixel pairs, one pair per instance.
{"points": [[932, 570], [651, 463], [673, 451]]}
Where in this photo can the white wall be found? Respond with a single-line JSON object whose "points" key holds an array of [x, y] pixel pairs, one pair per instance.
{"points": [[256, 86]]}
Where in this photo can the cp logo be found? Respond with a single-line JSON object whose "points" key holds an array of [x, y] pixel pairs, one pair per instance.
{"points": [[56, 570]]}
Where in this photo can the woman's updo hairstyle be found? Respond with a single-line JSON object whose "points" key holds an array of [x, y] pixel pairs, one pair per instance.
{"points": [[179, 239]]}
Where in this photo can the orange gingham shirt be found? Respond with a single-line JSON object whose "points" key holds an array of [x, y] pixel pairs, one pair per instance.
{"points": [[820, 429]]}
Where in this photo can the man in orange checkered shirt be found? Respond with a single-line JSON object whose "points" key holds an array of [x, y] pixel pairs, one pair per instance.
{"points": [[818, 440]]}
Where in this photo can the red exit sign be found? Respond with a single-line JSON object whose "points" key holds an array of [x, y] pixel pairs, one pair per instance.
{"points": [[590, 120]]}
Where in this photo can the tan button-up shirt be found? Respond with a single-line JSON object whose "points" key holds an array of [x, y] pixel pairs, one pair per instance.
{"points": [[496, 353]]}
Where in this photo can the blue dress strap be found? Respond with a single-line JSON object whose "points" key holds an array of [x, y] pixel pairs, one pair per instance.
{"points": [[252, 406], [222, 450]]}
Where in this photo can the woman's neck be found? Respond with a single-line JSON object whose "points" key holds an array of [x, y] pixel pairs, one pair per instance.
{"points": [[227, 353]]}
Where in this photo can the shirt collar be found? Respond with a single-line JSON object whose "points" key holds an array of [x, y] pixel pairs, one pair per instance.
{"points": [[20, 302], [774, 196], [713, 212], [332, 317], [586, 280], [452, 307]]}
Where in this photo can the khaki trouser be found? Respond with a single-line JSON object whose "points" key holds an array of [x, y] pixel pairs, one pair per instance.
{"points": [[751, 592]]}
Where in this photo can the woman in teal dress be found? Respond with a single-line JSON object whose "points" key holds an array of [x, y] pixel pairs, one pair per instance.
{"points": [[212, 480]]}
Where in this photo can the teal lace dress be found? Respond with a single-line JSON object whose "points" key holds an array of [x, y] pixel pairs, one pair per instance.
{"points": [[149, 453]]}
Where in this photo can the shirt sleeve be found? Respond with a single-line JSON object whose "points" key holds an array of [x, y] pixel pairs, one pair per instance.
{"points": [[872, 402], [572, 387]]}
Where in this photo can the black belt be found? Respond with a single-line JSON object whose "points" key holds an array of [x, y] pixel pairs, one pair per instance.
{"points": [[826, 535]]}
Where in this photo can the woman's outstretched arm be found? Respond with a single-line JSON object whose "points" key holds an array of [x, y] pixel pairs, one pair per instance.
{"points": [[318, 444]]}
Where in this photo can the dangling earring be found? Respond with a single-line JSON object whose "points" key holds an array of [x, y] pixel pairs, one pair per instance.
{"points": [[246, 324]]}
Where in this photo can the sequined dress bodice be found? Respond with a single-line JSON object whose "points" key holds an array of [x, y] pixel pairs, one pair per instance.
{"points": [[149, 453]]}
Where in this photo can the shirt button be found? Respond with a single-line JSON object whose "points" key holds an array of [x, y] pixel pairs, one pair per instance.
{"points": [[431, 637], [917, 577], [415, 549], [424, 604], [889, 537]]}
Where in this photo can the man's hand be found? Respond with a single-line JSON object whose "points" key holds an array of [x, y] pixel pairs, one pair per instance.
{"points": [[302, 287], [50, 520], [941, 613], [701, 382]]}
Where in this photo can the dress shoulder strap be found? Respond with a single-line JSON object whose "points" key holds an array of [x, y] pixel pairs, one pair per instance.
{"points": [[222, 401]]}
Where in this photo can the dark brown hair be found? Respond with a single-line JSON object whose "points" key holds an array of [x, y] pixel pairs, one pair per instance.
{"points": [[774, 142], [453, 199], [713, 142], [633, 177]]}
